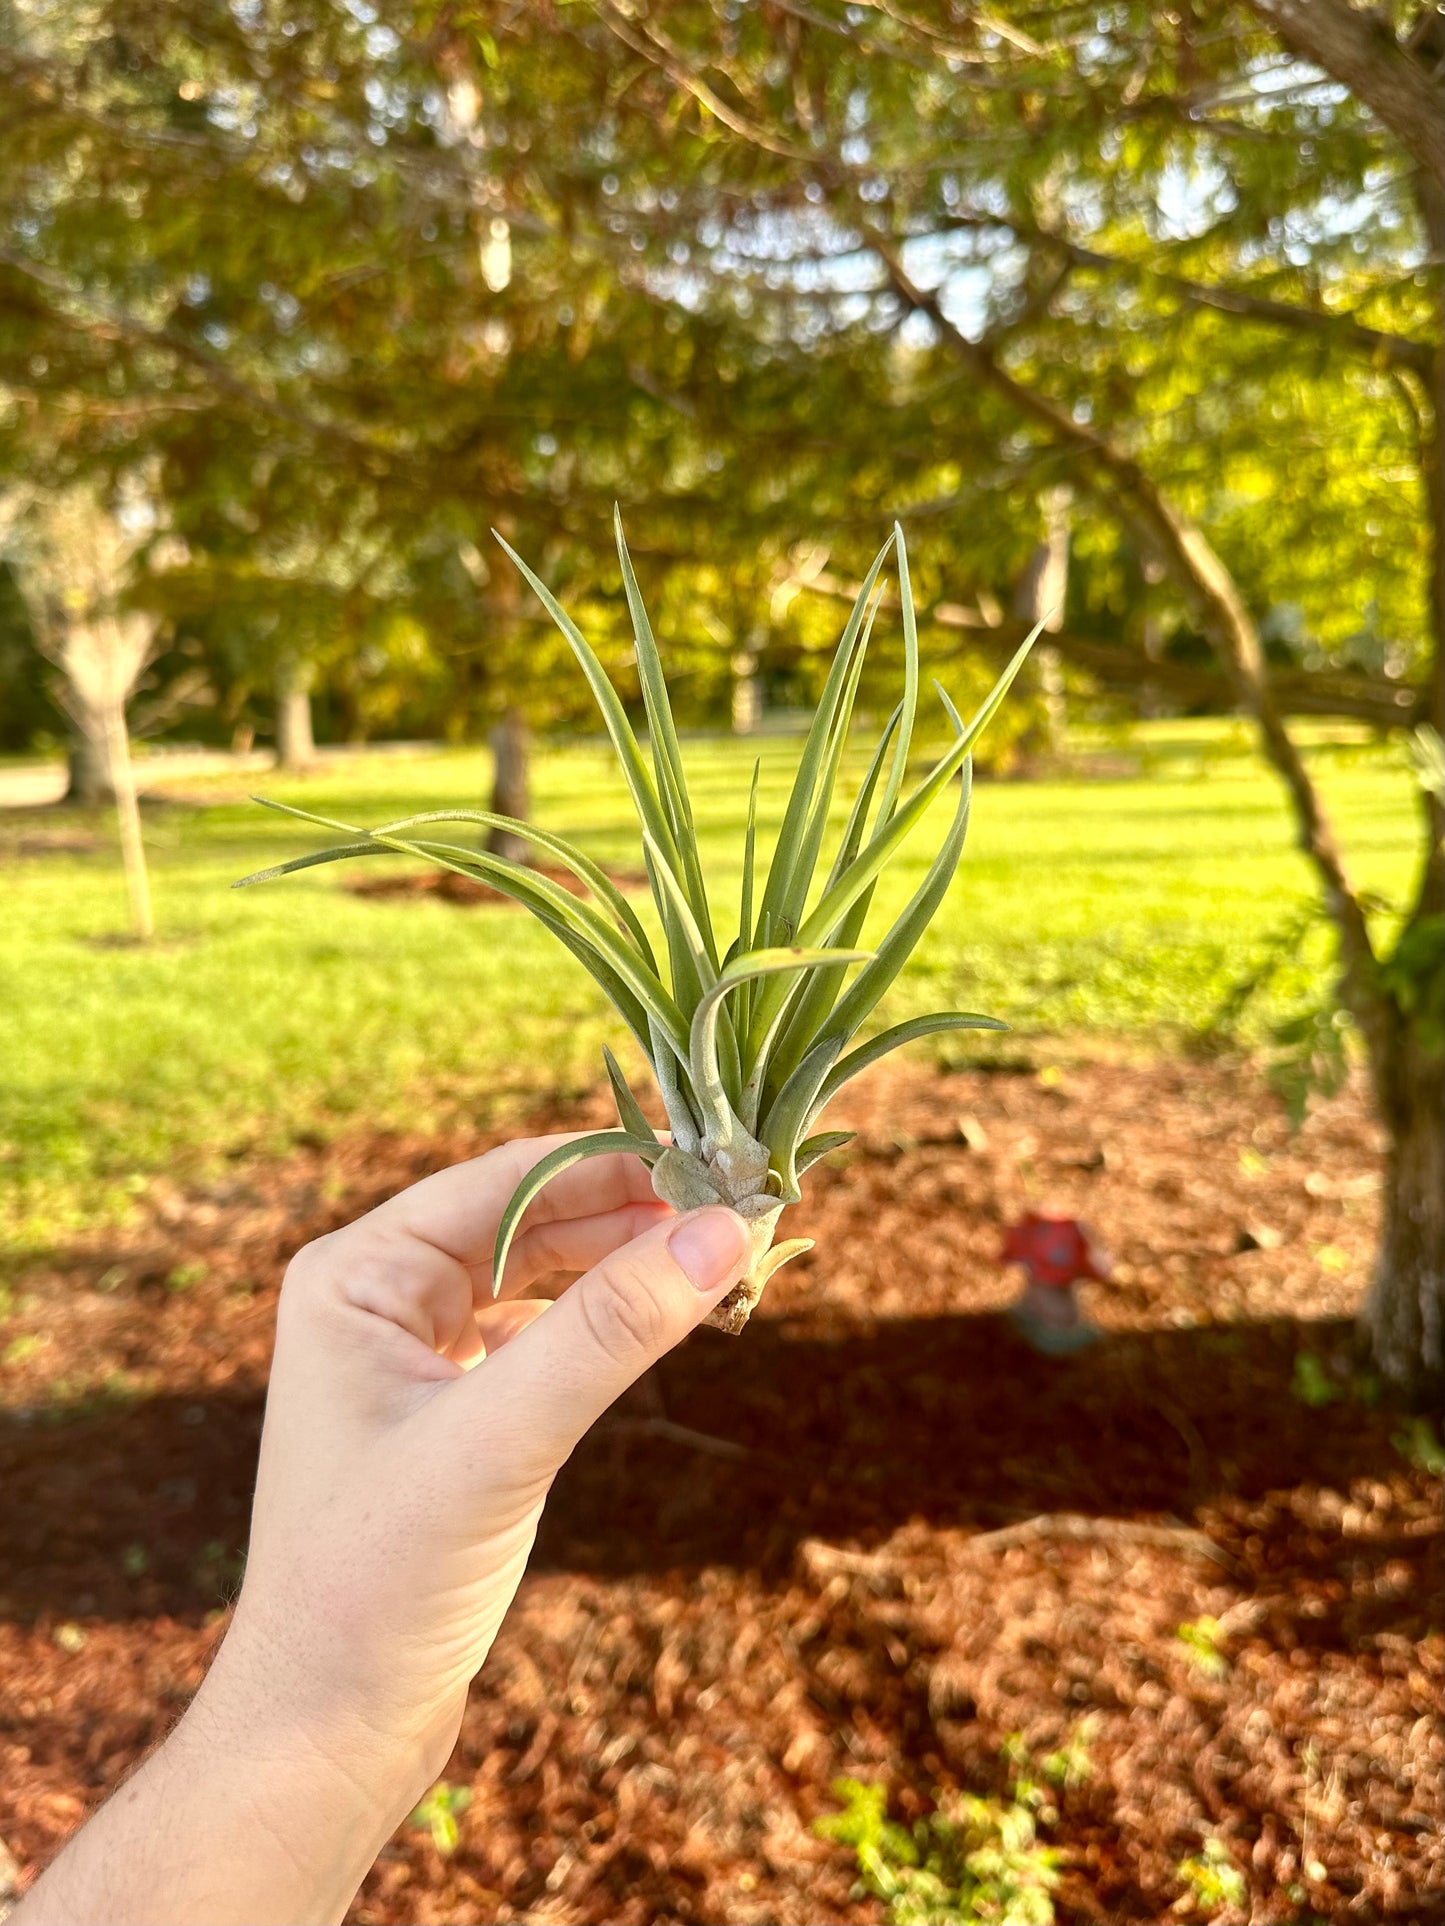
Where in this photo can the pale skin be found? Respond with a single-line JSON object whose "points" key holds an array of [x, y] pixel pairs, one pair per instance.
{"points": [[413, 1429]]}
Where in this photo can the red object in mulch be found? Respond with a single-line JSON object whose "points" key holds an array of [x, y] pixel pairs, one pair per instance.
{"points": [[1057, 1251]]}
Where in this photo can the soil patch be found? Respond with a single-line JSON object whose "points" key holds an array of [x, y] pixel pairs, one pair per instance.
{"points": [[446, 886], [874, 1535]]}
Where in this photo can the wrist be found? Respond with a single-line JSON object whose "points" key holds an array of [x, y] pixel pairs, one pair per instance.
{"points": [[297, 1729], [251, 1814]]}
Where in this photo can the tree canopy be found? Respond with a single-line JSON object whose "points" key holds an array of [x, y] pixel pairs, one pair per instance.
{"points": [[355, 282]]}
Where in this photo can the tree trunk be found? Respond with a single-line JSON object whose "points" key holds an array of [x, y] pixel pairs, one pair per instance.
{"points": [[1402, 1315], [127, 809], [295, 742], [1039, 597], [88, 777], [510, 757], [747, 699]]}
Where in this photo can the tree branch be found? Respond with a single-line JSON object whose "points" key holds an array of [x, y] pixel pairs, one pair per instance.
{"points": [[127, 327], [1356, 47], [1214, 600], [1391, 350], [655, 47], [1301, 692]]}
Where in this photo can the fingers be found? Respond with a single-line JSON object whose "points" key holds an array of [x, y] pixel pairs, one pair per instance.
{"points": [[495, 1326], [423, 1259], [557, 1376], [458, 1209], [568, 1244]]}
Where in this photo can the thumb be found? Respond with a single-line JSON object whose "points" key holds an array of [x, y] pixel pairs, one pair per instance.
{"points": [[561, 1373]]}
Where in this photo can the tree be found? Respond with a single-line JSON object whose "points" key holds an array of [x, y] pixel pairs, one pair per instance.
{"points": [[74, 557], [1142, 238]]}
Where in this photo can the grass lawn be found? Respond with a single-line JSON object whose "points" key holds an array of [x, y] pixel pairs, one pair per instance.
{"points": [[1123, 906]]}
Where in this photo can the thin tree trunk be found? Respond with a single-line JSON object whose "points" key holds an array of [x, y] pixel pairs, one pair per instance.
{"points": [[88, 774], [127, 809], [1039, 597], [747, 698], [295, 741], [1402, 1315], [511, 747]]}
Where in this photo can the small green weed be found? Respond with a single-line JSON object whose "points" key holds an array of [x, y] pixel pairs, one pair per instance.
{"points": [[183, 1277], [1200, 1639], [437, 1814], [1312, 1383], [972, 1862], [1072, 1764], [1419, 1445], [1211, 1878]]}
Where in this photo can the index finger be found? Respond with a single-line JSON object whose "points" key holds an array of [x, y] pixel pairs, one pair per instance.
{"points": [[457, 1210]]}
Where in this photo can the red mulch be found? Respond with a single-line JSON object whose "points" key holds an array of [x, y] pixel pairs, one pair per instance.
{"points": [[446, 886], [711, 1634]]}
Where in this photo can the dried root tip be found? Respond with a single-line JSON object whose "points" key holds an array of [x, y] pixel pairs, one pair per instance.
{"points": [[738, 1306]]}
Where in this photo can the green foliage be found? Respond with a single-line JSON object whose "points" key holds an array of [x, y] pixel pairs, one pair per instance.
{"points": [[1070, 1765], [1200, 1638], [1320, 1385], [438, 1814], [1418, 1443], [970, 1861], [745, 1037], [1211, 1878], [1414, 975], [436, 258], [1313, 1385]]}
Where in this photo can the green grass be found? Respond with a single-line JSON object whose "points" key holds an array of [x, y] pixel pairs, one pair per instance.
{"points": [[1124, 907]]}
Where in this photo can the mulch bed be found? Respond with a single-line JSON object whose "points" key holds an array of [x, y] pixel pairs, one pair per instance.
{"points": [[874, 1535], [446, 886]]}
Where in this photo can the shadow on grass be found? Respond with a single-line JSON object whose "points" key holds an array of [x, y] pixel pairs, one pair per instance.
{"points": [[132, 1511]]}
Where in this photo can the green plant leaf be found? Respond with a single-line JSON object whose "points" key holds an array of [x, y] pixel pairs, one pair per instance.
{"points": [[567, 854], [341, 853], [797, 1102], [898, 945], [624, 741], [886, 840], [719, 1121], [779, 891], [593, 936], [908, 708], [602, 1143], [812, 1149], [666, 750], [894, 1039], [629, 1110]]}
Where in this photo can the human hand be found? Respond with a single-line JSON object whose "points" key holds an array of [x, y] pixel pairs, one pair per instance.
{"points": [[414, 1425], [413, 1429]]}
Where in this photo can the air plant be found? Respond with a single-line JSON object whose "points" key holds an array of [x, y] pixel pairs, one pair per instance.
{"points": [[748, 1038]]}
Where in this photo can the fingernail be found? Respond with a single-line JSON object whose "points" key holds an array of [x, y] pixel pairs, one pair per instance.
{"points": [[710, 1245]]}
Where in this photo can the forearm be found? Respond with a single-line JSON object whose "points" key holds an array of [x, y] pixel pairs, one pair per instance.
{"points": [[244, 1815]]}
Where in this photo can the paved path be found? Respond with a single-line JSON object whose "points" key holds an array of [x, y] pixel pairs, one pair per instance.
{"points": [[32, 785]]}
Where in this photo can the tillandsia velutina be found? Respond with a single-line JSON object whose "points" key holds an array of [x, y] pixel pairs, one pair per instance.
{"points": [[748, 1039]]}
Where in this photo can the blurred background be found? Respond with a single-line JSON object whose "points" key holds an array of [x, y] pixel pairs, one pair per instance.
{"points": [[1132, 316]]}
